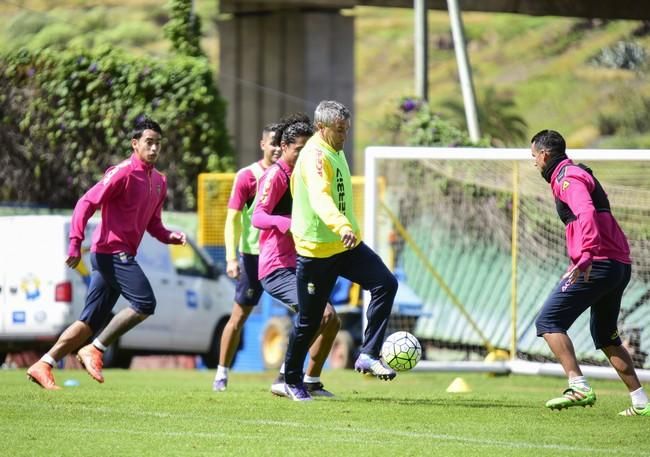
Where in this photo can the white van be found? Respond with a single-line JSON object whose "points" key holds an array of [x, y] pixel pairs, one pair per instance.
{"points": [[40, 296]]}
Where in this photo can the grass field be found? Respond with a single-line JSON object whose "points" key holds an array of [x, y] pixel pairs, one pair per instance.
{"points": [[175, 413]]}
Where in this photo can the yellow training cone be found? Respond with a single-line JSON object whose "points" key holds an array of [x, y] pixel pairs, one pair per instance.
{"points": [[458, 386]]}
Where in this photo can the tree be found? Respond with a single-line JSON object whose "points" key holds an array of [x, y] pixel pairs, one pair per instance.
{"points": [[184, 28], [497, 118], [65, 117]]}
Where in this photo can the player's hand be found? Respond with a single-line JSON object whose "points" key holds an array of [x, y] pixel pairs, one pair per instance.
{"points": [[574, 274], [72, 261], [178, 238], [232, 269], [349, 239]]}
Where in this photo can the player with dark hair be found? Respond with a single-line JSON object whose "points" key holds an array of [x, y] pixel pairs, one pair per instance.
{"points": [[327, 239], [599, 271], [130, 195], [239, 230], [277, 261]]}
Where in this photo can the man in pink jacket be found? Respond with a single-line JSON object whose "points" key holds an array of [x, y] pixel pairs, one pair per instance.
{"points": [[599, 271], [130, 195]]}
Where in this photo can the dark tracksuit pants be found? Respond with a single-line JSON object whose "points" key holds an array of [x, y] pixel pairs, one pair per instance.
{"points": [[316, 278]]}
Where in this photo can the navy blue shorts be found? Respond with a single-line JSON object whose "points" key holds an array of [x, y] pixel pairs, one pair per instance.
{"points": [[602, 294], [281, 284], [112, 275], [249, 288]]}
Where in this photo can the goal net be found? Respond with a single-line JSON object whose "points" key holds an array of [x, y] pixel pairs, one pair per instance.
{"points": [[475, 234]]}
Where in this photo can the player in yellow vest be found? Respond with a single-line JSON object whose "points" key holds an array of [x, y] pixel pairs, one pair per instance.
{"points": [[327, 239]]}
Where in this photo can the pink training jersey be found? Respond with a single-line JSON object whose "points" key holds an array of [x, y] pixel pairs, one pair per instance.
{"points": [[276, 243], [593, 233], [244, 188], [131, 195]]}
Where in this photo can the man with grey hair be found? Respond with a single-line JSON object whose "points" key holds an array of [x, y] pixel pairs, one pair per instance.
{"points": [[327, 239]]}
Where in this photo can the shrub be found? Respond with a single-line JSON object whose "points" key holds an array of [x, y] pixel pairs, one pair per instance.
{"points": [[65, 117], [623, 55]]}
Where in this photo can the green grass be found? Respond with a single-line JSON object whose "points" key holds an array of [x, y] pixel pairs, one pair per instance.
{"points": [[175, 413]]}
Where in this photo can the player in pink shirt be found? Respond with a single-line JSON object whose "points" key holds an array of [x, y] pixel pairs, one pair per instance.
{"points": [[599, 271], [277, 261], [240, 235], [130, 195]]}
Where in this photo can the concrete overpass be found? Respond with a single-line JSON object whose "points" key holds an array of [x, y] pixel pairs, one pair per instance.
{"points": [[277, 57]]}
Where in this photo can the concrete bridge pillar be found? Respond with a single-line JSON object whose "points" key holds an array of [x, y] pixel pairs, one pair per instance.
{"points": [[274, 63]]}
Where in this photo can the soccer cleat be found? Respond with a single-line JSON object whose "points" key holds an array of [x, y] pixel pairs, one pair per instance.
{"points": [[297, 392], [277, 388], [41, 374], [634, 411], [368, 365], [220, 385], [91, 359], [573, 396], [316, 389]]}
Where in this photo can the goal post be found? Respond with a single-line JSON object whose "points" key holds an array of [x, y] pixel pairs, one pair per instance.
{"points": [[475, 233]]}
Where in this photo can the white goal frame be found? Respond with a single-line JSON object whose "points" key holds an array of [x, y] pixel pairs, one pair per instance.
{"points": [[375, 153]]}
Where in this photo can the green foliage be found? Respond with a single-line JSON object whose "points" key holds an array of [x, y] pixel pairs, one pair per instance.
{"points": [[635, 119], [416, 124], [65, 117], [65, 29], [184, 28], [625, 55], [497, 117]]}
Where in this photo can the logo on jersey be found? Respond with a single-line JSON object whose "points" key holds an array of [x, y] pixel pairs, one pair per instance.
{"points": [[614, 335], [340, 189], [311, 288], [565, 185]]}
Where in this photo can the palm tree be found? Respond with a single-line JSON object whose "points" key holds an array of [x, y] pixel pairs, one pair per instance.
{"points": [[497, 118]]}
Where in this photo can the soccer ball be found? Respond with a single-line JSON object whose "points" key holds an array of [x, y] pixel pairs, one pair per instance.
{"points": [[401, 351]]}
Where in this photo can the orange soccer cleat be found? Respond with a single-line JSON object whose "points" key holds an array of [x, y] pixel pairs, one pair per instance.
{"points": [[91, 359], [41, 374]]}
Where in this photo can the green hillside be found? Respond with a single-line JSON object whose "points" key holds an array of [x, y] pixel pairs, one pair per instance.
{"points": [[541, 64]]}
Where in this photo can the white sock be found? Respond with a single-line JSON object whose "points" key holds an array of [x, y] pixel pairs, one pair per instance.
{"points": [[282, 368], [47, 358], [222, 372], [311, 379], [99, 345], [580, 381], [639, 398]]}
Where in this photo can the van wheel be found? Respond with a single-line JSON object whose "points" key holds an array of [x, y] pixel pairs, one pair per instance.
{"points": [[211, 358], [114, 357], [275, 338], [341, 355]]}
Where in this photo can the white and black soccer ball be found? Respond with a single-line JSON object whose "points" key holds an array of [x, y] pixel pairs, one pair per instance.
{"points": [[401, 351]]}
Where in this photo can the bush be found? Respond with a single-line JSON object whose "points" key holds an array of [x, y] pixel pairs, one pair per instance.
{"points": [[624, 55], [65, 117], [416, 124]]}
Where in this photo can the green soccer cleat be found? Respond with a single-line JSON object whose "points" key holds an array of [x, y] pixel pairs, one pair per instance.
{"points": [[573, 396], [634, 411]]}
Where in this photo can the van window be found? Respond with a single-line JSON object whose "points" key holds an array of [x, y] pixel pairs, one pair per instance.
{"points": [[188, 261]]}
